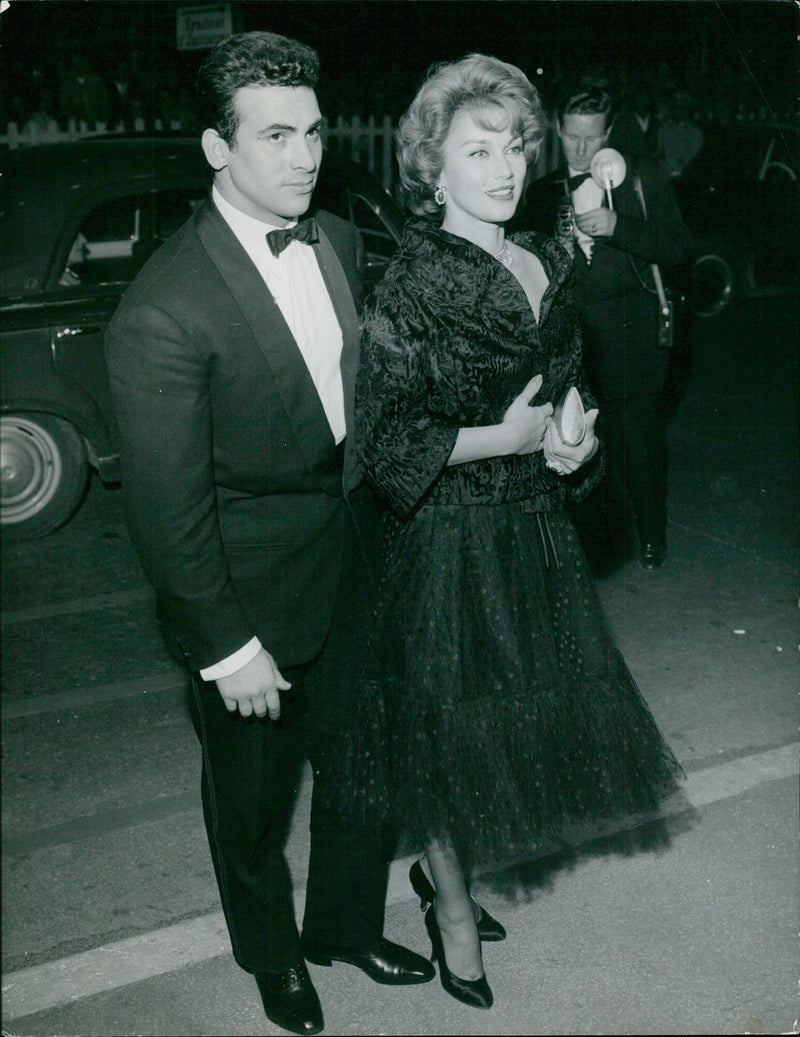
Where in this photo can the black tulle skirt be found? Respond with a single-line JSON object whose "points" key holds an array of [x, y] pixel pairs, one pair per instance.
{"points": [[495, 709]]}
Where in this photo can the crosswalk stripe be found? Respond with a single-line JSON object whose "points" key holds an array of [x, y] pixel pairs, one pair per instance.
{"points": [[176, 946]]}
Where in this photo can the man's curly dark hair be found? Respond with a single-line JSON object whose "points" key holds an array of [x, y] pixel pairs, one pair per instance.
{"points": [[249, 59]]}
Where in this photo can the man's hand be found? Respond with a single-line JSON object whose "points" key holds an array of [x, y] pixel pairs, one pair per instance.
{"points": [[597, 223], [566, 459], [254, 688], [528, 424]]}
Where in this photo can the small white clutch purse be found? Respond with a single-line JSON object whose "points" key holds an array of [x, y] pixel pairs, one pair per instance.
{"points": [[570, 418]]}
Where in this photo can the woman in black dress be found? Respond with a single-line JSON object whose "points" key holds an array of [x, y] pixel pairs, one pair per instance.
{"points": [[501, 709]]}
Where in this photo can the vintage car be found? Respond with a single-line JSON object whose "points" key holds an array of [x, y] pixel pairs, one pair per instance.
{"points": [[740, 197], [77, 220]]}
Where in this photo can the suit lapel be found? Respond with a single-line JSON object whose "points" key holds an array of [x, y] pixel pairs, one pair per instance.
{"points": [[342, 299], [269, 329], [624, 196]]}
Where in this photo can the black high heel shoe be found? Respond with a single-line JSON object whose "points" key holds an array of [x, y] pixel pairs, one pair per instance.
{"points": [[473, 992], [489, 929]]}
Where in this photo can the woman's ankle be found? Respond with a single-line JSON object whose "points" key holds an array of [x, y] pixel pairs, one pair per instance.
{"points": [[454, 914], [461, 947]]}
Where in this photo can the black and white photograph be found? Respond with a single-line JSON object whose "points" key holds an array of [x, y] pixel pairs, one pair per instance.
{"points": [[400, 517]]}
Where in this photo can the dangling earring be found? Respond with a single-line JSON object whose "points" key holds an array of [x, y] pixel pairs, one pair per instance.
{"points": [[439, 195]]}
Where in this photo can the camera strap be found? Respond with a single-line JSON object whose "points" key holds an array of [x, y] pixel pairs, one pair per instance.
{"points": [[662, 295]]}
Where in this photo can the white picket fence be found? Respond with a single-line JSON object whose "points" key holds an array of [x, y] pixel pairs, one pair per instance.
{"points": [[372, 143], [368, 141]]}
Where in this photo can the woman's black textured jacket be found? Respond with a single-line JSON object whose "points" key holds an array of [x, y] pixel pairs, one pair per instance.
{"points": [[449, 341]]}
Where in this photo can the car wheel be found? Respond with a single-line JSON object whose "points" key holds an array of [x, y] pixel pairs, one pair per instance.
{"points": [[44, 474], [718, 276]]}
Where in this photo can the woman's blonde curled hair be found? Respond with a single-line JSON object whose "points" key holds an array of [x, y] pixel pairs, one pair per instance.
{"points": [[484, 86]]}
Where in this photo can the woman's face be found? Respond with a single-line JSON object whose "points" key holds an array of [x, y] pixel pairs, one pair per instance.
{"points": [[483, 170]]}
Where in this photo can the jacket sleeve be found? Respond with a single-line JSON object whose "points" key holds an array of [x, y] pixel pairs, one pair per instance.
{"points": [[159, 383], [403, 442], [662, 237]]}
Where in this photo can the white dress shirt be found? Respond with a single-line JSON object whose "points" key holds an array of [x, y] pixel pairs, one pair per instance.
{"points": [[295, 281]]}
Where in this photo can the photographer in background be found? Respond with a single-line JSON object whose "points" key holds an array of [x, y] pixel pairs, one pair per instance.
{"points": [[614, 248]]}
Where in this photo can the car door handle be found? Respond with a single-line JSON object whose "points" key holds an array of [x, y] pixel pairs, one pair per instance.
{"points": [[86, 329]]}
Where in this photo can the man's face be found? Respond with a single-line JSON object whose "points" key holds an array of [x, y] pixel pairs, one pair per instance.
{"points": [[272, 167], [582, 136]]}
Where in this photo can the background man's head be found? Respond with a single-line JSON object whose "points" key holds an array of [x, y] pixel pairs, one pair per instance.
{"points": [[584, 121]]}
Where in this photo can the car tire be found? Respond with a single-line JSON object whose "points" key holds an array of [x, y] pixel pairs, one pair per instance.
{"points": [[45, 473], [719, 275]]}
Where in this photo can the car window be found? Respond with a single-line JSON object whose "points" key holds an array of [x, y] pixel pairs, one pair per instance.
{"points": [[172, 209], [744, 155], [117, 236], [379, 243], [779, 162]]}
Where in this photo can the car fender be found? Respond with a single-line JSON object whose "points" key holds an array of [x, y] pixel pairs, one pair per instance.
{"points": [[721, 272], [70, 404]]}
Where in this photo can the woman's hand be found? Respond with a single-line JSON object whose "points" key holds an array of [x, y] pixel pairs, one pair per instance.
{"points": [[527, 425], [567, 459]]}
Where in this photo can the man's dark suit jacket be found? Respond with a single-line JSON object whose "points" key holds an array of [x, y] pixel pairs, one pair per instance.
{"points": [[619, 316], [232, 484]]}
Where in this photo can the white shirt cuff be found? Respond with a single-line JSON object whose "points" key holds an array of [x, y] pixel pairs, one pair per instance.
{"points": [[228, 666]]}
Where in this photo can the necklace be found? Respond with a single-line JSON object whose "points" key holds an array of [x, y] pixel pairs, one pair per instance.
{"points": [[504, 255]]}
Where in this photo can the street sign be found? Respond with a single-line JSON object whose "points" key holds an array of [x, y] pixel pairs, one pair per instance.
{"points": [[201, 27]]}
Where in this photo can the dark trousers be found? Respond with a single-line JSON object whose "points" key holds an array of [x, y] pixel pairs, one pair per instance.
{"points": [[630, 502], [250, 776], [637, 462]]}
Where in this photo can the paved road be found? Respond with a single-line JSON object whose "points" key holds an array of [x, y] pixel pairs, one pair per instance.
{"points": [[687, 924]]}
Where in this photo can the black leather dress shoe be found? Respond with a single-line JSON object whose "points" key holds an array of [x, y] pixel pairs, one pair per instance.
{"points": [[387, 963], [290, 999], [652, 556]]}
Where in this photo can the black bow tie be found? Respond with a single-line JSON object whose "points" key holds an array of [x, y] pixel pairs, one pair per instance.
{"points": [[305, 231], [574, 182]]}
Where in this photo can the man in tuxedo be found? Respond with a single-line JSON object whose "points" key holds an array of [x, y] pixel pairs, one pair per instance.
{"points": [[615, 294], [232, 361]]}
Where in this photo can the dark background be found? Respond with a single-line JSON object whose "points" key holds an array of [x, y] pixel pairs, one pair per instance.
{"points": [[742, 57], [102, 827]]}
